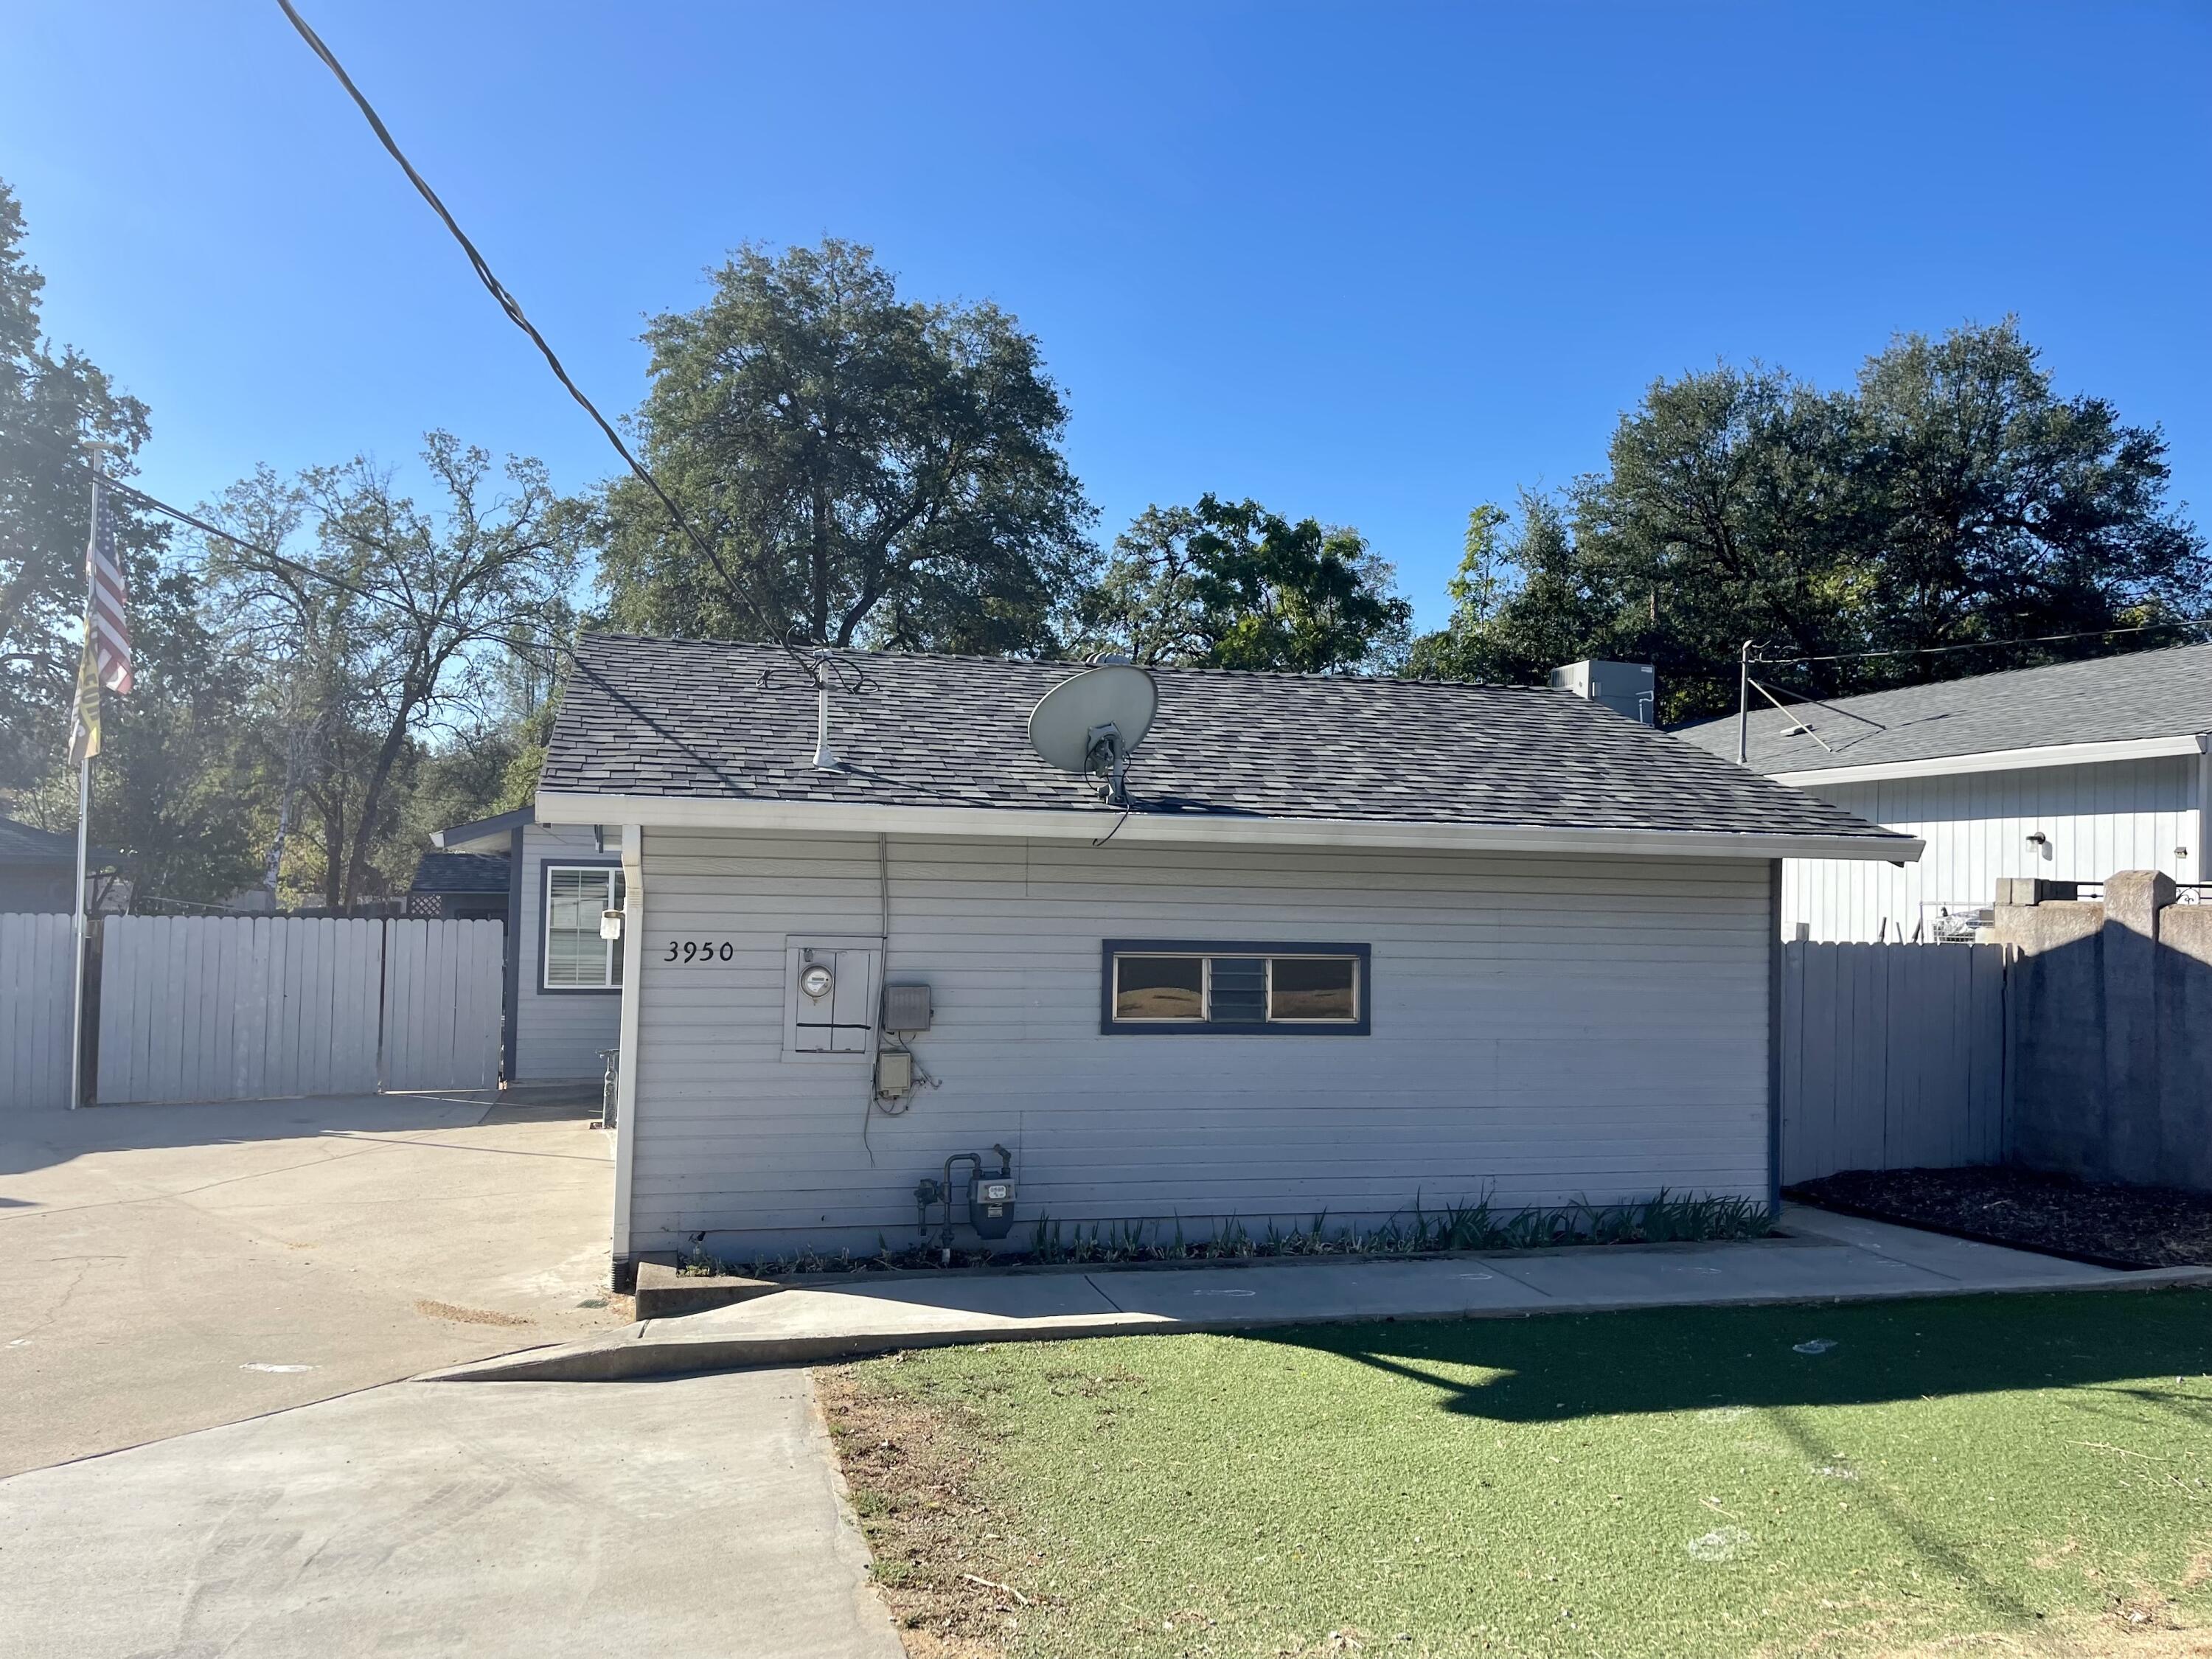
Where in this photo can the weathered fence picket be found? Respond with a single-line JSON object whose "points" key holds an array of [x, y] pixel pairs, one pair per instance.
{"points": [[1893, 1057], [36, 956], [443, 992], [272, 1007]]}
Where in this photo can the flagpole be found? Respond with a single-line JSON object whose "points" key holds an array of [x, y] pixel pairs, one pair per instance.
{"points": [[83, 923]]}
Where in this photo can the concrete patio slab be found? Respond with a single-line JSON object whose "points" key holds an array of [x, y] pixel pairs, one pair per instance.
{"points": [[1721, 1273], [1322, 1291], [675, 1519], [1940, 1253], [1864, 1260]]}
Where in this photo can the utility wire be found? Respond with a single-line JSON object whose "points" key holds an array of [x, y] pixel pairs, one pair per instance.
{"points": [[554, 643], [154, 504], [1989, 645], [514, 309]]}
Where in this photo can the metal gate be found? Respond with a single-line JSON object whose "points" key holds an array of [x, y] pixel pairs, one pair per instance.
{"points": [[1893, 1057]]}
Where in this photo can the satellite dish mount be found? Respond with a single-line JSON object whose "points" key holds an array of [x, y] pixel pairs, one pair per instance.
{"points": [[1092, 723], [1106, 758]]}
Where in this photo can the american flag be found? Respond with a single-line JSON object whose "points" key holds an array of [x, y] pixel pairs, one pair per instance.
{"points": [[107, 631], [107, 660]]}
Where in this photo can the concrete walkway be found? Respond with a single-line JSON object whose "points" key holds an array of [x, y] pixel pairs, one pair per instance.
{"points": [[1826, 1257], [684, 1520]]}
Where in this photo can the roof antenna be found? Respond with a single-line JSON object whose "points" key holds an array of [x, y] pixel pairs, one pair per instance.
{"points": [[825, 758]]}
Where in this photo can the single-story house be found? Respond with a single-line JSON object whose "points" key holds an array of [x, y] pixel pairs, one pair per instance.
{"points": [[461, 886], [1353, 943], [2069, 773], [563, 980]]}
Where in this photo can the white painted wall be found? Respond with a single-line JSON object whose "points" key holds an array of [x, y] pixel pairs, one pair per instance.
{"points": [[2122, 815], [558, 1034], [1544, 1028]]}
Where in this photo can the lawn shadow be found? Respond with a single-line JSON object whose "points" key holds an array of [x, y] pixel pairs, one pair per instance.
{"points": [[2121, 1346], [1564, 1366]]}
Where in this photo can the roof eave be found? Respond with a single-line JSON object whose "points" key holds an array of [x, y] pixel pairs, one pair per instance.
{"points": [[2000, 760], [485, 835], [723, 812]]}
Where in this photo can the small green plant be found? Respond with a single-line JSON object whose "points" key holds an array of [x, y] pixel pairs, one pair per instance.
{"points": [[1665, 1218]]}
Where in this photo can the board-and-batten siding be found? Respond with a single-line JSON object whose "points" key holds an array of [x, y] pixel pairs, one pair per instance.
{"points": [[1543, 1029], [2120, 815], [557, 1034]]}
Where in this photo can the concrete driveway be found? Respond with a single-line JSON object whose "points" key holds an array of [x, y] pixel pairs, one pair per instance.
{"points": [[696, 1519], [168, 1268]]}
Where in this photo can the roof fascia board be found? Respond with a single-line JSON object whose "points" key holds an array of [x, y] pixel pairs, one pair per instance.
{"points": [[484, 834], [690, 813], [2000, 760]]}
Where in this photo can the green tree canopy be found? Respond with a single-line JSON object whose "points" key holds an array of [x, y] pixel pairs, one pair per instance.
{"points": [[55, 402], [390, 634], [1951, 497], [869, 469], [1231, 585]]}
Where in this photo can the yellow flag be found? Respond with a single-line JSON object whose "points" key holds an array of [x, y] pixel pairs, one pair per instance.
{"points": [[84, 715]]}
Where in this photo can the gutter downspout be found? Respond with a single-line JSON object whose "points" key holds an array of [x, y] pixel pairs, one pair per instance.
{"points": [[633, 949], [511, 992], [2200, 854], [1775, 980]]}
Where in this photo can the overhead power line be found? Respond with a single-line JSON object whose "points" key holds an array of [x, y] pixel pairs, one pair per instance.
{"points": [[154, 504], [1989, 645], [514, 311], [554, 643]]}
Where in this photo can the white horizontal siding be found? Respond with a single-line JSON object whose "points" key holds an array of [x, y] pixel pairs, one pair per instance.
{"points": [[1544, 1028], [558, 1035], [2122, 815]]}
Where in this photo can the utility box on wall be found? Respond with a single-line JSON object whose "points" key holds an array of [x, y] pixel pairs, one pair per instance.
{"points": [[906, 1008], [829, 995]]}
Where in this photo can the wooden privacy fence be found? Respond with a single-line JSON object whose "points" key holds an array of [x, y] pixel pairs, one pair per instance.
{"points": [[444, 993], [266, 1008], [36, 956], [1893, 1057]]}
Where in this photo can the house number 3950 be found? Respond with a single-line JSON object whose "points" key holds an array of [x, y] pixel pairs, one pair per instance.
{"points": [[699, 950]]}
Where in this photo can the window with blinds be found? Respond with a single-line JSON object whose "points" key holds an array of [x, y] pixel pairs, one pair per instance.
{"points": [[576, 958]]}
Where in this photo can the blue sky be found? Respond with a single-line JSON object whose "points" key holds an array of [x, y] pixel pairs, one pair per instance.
{"points": [[1374, 264]]}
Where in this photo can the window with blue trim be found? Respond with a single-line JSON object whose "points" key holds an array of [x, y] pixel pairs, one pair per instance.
{"points": [[1166, 987]]}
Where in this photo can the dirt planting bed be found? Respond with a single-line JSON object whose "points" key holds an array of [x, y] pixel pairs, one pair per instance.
{"points": [[2107, 1223]]}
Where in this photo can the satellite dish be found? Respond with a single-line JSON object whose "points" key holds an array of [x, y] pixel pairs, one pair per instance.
{"points": [[1093, 722]]}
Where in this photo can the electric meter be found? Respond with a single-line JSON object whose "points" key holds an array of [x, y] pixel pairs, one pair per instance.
{"points": [[816, 979]]}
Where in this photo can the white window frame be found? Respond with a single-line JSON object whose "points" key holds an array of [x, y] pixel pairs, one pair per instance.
{"points": [[612, 897]]}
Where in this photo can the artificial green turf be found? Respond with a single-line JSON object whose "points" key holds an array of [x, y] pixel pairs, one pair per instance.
{"points": [[1671, 1482]]}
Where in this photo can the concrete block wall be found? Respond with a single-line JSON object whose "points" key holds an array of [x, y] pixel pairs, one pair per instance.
{"points": [[2109, 1028]]}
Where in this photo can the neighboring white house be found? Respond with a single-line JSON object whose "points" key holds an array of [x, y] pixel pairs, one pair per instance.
{"points": [[2069, 773], [1355, 943], [563, 980]]}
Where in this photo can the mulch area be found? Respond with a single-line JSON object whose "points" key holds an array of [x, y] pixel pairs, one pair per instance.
{"points": [[2105, 1222]]}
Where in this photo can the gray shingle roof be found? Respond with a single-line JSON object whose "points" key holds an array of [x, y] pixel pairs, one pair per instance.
{"points": [[692, 718], [20, 843], [2144, 694], [460, 872]]}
